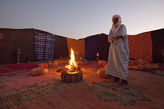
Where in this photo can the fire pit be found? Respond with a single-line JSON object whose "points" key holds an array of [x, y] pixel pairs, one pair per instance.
{"points": [[71, 76], [72, 73]]}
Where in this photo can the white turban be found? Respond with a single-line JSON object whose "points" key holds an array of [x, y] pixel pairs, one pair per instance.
{"points": [[115, 27]]}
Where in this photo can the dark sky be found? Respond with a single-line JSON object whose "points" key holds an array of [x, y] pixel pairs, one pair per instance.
{"points": [[81, 18]]}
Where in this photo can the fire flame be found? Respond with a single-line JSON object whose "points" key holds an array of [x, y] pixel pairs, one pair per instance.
{"points": [[72, 63]]}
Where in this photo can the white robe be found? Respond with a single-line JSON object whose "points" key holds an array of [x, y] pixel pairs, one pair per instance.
{"points": [[118, 57]]}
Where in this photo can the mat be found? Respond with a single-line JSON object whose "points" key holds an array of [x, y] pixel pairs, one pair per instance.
{"points": [[44, 46], [16, 68], [45, 85], [77, 46], [140, 46], [93, 65], [112, 92], [91, 47]]}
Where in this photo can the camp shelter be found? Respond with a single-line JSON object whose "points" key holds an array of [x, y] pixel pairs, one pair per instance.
{"points": [[14, 39], [97, 45], [61, 49], [77, 45], [24, 40], [103, 47], [140, 46], [158, 45], [148, 45]]}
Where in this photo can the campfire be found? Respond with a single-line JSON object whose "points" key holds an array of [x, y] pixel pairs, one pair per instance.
{"points": [[73, 66], [73, 72]]}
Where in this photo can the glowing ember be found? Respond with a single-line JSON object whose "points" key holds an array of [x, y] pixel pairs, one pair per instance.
{"points": [[72, 64]]}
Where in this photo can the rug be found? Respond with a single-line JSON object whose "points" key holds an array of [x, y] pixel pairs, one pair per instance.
{"points": [[105, 91], [16, 68], [112, 92], [44, 46], [17, 96], [93, 65], [91, 47], [77, 46], [140, 46]]}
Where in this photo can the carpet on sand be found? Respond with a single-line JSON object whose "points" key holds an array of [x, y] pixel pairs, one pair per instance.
{"points": [[5, 69], [93, 65]]}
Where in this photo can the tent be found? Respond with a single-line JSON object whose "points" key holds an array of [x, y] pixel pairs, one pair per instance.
{"points": [[148, 45]]}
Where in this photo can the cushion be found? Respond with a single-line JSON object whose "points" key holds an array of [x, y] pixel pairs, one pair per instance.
{"points": [[38, 71], [102, 62], [43, 65], [102, 72]]}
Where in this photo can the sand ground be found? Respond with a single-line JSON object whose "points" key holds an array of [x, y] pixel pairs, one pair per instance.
{"points": [[61, 95]]}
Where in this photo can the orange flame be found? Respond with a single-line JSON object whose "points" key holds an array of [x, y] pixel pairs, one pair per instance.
{"points": [[72, 63]]}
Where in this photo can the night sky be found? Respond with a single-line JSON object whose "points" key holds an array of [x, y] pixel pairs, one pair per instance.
{"points": [[81, 18]]}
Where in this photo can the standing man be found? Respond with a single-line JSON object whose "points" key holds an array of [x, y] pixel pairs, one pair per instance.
{"points": [[118, 57]]}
